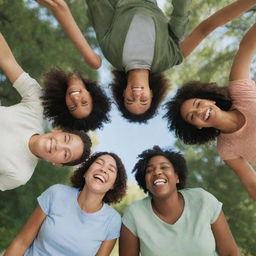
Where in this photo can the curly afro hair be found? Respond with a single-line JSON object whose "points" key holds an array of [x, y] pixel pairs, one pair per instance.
{"points": [[175, 158], [112, 196], [54, 103], [188, 133], [157, 83]]}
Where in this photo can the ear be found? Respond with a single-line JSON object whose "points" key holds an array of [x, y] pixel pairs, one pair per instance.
{"points": [[57, 164]]}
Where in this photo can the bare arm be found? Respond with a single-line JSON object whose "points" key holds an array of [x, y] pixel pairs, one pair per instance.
{"points": [[128, 243], [27, 235], [106, 248], [225, 243], [216, 20], [63, 15], [242, 62], [246, 174], [7, 61]]}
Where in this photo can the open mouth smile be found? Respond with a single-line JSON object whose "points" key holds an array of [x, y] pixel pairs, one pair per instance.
{"points": [[159, 182], [207, 114], [100, 178], [74, 92]]}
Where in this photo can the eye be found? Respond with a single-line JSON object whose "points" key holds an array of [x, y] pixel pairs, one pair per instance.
{"points": [[192, 117], [84, 102], [149, 170], [164, 167], [198, 104], [111, 170]]}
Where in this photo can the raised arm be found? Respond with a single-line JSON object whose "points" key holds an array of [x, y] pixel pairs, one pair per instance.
{"points": [[243, 59], [62, 13], [27, 235], [245, 173], [7, 61], [225, 243], [128, 243], [216, 20]]}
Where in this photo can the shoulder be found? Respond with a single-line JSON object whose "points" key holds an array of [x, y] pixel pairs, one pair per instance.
{"points": [[61, 190], [111, 212], [198, 194], [242, 85], [138, 205]]}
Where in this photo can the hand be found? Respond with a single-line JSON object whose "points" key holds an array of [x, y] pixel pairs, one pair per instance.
{"points": [[53, 5]]}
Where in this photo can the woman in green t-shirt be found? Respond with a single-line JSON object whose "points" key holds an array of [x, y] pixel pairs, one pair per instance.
{"points": [[139, 85], [173, 220]]}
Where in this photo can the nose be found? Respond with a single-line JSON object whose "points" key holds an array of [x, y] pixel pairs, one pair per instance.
{"points": [[200, 111], [158, 171], [137, 94], [75, 98], [103, 169]]}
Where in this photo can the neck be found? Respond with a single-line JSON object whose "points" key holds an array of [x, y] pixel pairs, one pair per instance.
{"points": [[138, 77], [169, 209], [231, 121], [90, 202], [32, 144]]}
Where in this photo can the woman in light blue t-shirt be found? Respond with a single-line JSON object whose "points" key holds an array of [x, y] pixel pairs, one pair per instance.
{"points": [[173, 221], [76, 221]]}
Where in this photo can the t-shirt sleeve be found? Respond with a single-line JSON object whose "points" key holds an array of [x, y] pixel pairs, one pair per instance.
{"points": [[114, 227], [243, 90], [46, 199], [213, 205], [129, 221], [28, 88]]}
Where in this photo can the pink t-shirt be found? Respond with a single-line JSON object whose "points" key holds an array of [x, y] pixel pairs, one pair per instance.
{"points": [[241, 143]]}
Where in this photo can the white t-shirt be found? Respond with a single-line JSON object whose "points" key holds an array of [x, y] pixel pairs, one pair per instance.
{"points": [[18, 123], [69, 231]]}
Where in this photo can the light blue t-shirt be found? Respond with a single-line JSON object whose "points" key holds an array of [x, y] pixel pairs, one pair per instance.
{"points": [[69, 231], [190, 235]]}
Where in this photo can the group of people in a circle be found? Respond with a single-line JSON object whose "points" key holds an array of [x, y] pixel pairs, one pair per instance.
{"points": [[140, 43]]}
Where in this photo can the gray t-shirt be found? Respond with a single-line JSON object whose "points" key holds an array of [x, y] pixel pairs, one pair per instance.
{"points": [[138, 52]]}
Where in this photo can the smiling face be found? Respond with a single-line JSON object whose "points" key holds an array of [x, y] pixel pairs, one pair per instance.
{"points": [[78, 99], [101, 175], [200, 112], [137, 99], [58, 147], [161, 178]]}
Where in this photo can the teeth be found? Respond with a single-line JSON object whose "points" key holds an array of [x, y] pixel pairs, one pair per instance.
{"points": [[74, 93], [159, 181], [137, 88], [101, 178], [207, 114]]}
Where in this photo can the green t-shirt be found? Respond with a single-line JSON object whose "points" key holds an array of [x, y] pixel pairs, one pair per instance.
{"points": [[190, 235]]}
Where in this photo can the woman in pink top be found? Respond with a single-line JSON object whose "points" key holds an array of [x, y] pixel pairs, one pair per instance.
{"points": [[200, 112]]}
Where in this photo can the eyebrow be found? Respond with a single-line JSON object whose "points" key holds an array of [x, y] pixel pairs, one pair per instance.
{"points": [[194, 102]]}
